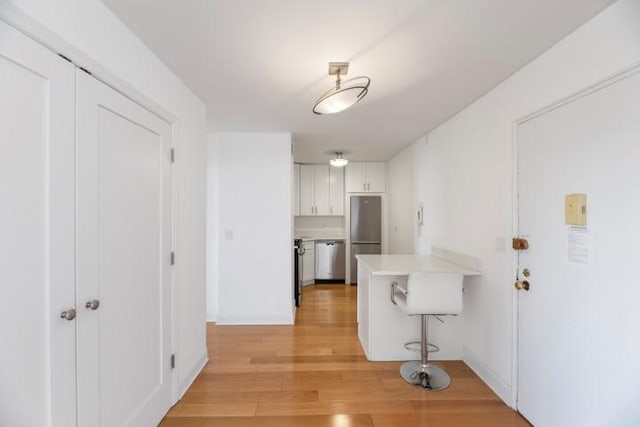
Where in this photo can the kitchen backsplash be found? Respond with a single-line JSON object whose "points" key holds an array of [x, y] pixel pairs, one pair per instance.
{"points": [[319, 226]]}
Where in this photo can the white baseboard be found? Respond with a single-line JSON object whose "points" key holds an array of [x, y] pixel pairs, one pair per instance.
{"points": [[486, 374], [192, 374], [255, 319], [212, 316]]}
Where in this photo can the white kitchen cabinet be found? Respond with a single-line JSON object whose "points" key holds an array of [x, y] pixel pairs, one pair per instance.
{"points": [[336, 191], [309, 262], [307, 190], [296, 189], [321, 190], [85, 247], [366, 177]]}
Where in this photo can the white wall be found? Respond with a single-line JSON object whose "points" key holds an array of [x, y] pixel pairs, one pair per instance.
{"points": [[88, 33], [403, 228], [466, 176], [250, 266]]}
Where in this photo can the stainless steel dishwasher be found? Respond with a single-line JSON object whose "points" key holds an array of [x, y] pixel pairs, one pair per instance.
{"points": [[330, 261]]}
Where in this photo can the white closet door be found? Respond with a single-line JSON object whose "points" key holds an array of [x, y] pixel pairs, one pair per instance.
{"points": [[123, 247], [37, 355]]}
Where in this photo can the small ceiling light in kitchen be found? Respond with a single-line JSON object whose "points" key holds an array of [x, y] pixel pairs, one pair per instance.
{"points": [[339, 161], [345, 94]]}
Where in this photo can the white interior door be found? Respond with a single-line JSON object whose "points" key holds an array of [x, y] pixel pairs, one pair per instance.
{"points": [[37, 357], [123, 247], [578, 341]]}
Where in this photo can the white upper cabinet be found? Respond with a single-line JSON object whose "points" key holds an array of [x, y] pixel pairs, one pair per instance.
{"points": [[366, 177], [307, 190], [296, 189], [321, 187], [336, 191], [321, 190]]}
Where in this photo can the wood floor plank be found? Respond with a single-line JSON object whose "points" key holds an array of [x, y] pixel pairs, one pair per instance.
{"points": [[213, 410], [451, 419], [338, 420], [250, 396], [335, 407], [315, 374]]}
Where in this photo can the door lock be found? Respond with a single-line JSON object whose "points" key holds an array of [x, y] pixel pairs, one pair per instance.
{"points": [[521, 285]]}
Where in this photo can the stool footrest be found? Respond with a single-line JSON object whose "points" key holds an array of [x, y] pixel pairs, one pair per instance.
{"points": [[432, 348]]}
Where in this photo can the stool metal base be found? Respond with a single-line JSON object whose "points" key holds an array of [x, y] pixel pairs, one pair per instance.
{"points": [[432, 378]]}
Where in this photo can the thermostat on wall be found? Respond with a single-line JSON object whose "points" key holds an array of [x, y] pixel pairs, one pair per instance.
{"points": [[575, 209]]}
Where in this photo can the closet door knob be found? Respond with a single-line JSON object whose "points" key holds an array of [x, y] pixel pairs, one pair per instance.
{"points": [[68, 314], [93, 304]]}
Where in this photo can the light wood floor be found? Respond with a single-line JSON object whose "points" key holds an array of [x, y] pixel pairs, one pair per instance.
{"points": [[315, 374]]}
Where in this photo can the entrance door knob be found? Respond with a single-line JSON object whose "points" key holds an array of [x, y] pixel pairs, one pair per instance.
{"points": [[521, 285], [93, 304]]}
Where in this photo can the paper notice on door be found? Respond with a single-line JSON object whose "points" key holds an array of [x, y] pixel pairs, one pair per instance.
{"points": [[578, 245]]}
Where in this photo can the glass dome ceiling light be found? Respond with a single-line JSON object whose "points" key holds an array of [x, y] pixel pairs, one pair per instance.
{"points": [[345, 94], [339, 161]]}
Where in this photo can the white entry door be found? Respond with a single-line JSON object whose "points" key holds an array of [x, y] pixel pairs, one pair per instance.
{"points": [[37, 283], [123, 259], [578, 324]]}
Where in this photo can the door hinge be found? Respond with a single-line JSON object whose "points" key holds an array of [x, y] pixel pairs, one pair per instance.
{"points": [[172, 155], [173, 361], [519, 244], [173, 258]]}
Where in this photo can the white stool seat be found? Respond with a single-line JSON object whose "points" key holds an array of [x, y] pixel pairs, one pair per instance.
{"points": [[431, 293], [427, 294]]}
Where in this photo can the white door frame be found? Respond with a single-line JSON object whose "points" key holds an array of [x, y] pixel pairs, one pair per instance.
{"points": [[601, 84], [27, 25]]}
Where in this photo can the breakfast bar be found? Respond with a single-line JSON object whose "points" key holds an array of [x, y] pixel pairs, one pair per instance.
{"points": [[383, 329]]}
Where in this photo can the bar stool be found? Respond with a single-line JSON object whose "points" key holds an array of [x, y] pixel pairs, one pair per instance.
{"points": [[427, 294]]}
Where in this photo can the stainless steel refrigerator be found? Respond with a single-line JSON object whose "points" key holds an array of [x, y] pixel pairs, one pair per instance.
{"points": [[366, 228]]}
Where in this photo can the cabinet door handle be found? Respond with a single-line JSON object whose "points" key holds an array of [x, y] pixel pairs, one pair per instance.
{"points": [[393, 292], [364, 186]]}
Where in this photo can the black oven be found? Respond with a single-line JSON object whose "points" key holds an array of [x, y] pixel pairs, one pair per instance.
{"points": [[298, 251]]}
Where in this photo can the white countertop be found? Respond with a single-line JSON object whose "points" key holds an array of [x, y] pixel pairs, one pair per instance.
{"points": [[401, 265], [330, 237]]}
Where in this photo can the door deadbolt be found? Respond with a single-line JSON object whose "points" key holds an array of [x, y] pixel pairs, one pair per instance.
{"points": [[521, 285], [93, 304], [526, 272], [68, 314]]}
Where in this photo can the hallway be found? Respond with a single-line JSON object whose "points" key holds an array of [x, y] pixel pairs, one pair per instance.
{"points": [[315, 374]]}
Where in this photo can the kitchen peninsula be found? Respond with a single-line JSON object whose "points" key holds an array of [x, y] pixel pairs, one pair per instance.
{"points": [[383, 328]]}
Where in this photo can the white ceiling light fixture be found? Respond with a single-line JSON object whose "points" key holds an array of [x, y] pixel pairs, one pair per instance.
{"points": [[345, 94], [339, 161]]}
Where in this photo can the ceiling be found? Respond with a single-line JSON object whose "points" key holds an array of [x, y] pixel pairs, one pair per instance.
{"points": [[259, 65]]}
